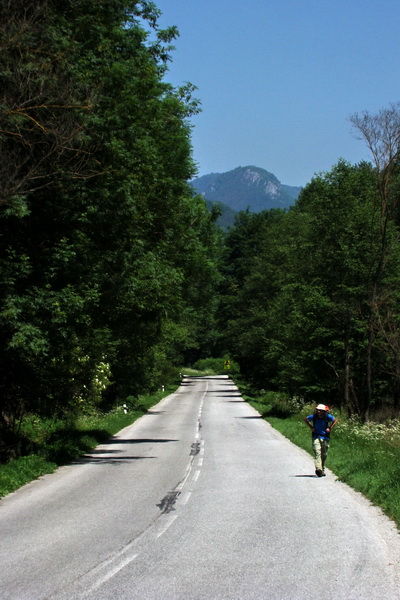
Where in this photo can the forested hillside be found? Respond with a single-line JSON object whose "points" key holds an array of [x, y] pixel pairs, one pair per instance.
{"points": [[112, 272]]}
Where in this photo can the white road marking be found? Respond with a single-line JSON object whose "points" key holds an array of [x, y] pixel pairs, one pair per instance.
{"points": [[196, 475], [167, 525], [185, 497], [111, 573], [168, 522]]}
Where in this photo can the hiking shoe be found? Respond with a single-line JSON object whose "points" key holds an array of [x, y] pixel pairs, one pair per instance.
{"points": [[323, 474], [319, 473]]}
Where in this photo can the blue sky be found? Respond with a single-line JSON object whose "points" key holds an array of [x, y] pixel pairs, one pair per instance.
{"points": [[278, 79]]}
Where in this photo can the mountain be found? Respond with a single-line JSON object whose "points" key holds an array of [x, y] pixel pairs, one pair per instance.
{"points": [[245, 187]]}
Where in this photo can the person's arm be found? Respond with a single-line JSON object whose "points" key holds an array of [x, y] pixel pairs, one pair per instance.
{"points": [[308, 422], [332, 425]]}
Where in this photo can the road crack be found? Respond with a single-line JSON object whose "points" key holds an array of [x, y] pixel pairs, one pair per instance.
{"points": [[167, 503], [195, 449]]}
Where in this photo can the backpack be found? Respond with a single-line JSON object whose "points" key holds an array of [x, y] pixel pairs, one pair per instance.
{"points": [[328, 422]]}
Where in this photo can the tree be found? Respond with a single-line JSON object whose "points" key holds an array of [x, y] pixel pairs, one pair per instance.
{"points": [[381, 132], [300, 294], [43, 103], [94, 269], [244, 291], [340, 208]]}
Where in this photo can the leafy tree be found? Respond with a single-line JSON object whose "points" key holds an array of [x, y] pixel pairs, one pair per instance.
{"points": [[301, 297], [97, 255], [343, 233], [43, 102], [381, 132], [242, 292]]}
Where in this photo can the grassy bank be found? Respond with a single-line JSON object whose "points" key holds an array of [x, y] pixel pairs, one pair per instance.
{"points": [[56, 443], [365, 456]]}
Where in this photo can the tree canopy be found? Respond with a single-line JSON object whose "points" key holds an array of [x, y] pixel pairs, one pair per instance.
{"points": [[100, 229], [311, 295]]}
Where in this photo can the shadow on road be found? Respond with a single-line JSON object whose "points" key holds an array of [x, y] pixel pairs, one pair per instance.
{"points": [[255, 417], [105, 455], [234, 401], [137, 441], [111, 460]]}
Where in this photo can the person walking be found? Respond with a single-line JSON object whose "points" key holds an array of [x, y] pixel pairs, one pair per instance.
{"points": [[321, 423]]}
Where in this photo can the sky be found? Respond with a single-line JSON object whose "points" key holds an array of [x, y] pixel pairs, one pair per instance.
{"points": [[279, 79]]}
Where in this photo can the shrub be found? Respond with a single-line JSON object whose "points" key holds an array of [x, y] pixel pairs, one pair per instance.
{"points": [[278, 404], [217, 366]]}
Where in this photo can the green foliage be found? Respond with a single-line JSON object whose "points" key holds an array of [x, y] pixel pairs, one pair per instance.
{"points": [[309, 297], [108, 262], [277, 404], [21, 471], [217, 366]]}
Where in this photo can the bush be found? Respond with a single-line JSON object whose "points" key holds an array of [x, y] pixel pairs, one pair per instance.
{"points": [[217, 366], [278, 404]]}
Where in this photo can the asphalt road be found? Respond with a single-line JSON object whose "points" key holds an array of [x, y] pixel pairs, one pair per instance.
{"points": [[198, 500]]}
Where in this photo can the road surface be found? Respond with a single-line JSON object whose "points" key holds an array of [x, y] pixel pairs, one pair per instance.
{"points": [[198, 500]]}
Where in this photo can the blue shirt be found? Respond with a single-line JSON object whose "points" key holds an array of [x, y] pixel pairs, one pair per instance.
{"points": [[321, 425]]}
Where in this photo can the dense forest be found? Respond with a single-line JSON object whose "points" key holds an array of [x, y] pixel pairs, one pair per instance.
{"points": [[108, 261], [113, 273], [311, 297]]}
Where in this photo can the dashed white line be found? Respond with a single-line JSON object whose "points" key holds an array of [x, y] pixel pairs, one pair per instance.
{"points": [[167, 525], [185, 497], [113, 572], [168, 522], [196, 475]]}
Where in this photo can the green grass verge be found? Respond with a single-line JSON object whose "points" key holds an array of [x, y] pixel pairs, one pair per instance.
{"points": [[57, 443]]}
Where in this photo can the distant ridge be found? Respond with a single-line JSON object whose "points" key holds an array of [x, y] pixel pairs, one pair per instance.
{"points": [[245, 188]]}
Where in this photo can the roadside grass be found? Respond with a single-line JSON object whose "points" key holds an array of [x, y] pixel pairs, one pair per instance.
{"points": [[191, 372], [365, 456], [55, 443]]}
